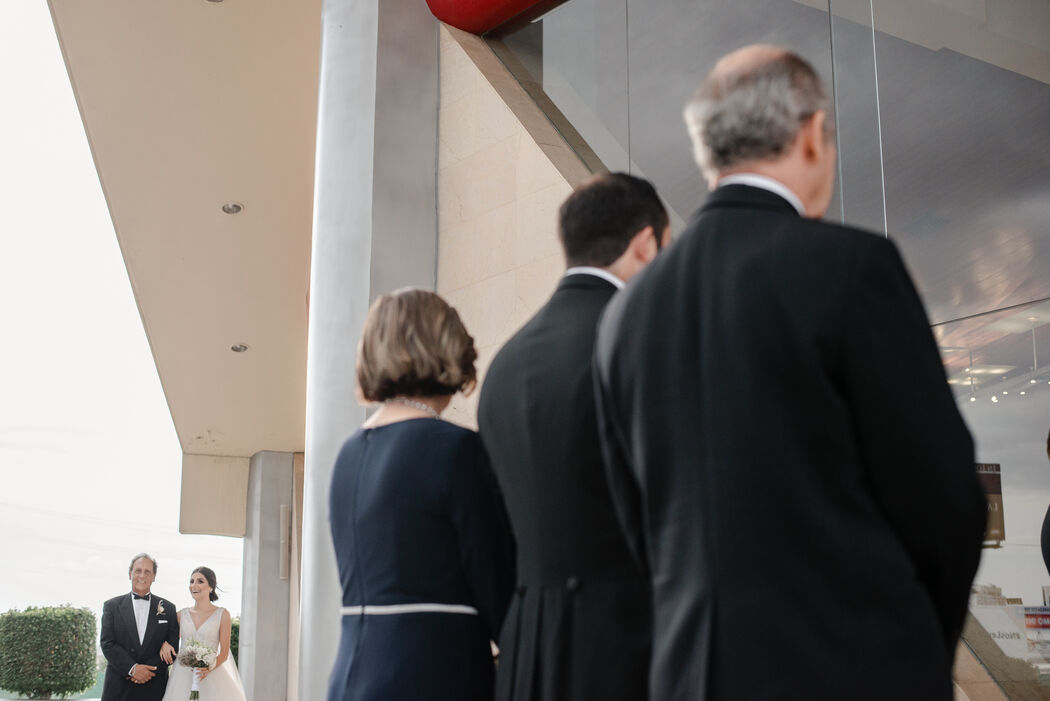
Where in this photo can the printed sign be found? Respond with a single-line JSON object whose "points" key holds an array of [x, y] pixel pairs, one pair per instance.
{"points": [[1037, 617], [1021, 632], [990, 475]]}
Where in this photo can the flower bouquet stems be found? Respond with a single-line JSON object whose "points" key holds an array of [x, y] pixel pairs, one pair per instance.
{"points": [[196, 655]]}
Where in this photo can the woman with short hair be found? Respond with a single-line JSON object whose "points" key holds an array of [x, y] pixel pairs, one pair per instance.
{"points": [[422, 542]]}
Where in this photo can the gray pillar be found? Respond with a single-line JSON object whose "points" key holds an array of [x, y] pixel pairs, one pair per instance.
{"points": [[263, 646], [374, 230]]}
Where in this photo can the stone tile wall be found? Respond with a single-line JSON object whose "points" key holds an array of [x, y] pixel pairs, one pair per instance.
{"points": [[502, 174]]}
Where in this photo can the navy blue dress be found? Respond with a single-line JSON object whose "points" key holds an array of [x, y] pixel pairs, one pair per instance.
{"points": [[417, 521]]}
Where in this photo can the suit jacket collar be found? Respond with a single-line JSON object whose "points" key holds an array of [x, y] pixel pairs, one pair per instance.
{"points": [[584, 281], [747, 197]]}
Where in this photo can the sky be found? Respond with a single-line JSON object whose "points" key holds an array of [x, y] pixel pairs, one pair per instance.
{"points": [[90, 464]]}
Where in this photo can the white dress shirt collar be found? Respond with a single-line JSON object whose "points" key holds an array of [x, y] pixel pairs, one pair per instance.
{"points": [[597, 272], [766, 183], [141, 608]]}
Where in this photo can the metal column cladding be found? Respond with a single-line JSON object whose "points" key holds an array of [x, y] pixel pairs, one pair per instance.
{"points": [[375, 229]]}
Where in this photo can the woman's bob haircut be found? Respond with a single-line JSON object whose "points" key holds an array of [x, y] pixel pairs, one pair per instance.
{"points": [[414, 345]]}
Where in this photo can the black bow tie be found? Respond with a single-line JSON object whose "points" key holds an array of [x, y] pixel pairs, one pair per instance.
{"points": [[136, 596]]}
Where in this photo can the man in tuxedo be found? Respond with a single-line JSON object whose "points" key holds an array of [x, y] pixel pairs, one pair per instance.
{"points": [[781, 444], [140, 633], [579, 627]]}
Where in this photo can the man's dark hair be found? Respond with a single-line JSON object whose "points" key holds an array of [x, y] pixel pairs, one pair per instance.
{"points": [[598, 221]]}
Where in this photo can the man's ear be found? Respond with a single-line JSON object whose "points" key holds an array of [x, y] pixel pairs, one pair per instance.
{"points": [[643, 245], [813, 136]]}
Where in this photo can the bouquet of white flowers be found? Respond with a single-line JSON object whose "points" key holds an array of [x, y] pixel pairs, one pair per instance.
{"points": [[196, 654]]}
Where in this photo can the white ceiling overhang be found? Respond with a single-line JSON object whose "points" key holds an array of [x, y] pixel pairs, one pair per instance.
{"points": [[187, 105]]}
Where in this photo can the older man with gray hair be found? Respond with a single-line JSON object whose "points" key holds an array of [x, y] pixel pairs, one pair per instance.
{"points": [[782, 448]]}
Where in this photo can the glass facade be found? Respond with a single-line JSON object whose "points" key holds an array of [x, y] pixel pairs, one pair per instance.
{"points": [[942, 110]]}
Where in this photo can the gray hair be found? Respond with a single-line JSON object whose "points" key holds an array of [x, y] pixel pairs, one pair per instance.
{"points": [[753, 112], [139, 557]]}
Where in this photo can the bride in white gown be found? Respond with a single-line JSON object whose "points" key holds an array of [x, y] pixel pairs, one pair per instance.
{"points": [[210, 625]]}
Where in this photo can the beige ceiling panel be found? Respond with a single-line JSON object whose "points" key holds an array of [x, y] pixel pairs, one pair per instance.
{"points": [[189, 104]]}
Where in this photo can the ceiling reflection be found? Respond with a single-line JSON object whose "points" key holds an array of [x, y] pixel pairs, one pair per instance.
{"points": [[967, 173], [993, 357], [960, 140]]}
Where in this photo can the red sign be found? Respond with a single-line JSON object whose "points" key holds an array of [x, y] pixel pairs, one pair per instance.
{"points": [[480, 16], [1036, 617]]}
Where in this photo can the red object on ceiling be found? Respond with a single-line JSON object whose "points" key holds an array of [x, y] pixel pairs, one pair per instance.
{"points": [[480, 16]]}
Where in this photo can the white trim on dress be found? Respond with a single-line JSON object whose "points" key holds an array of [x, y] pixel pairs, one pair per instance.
{"points": [[391, 609]]}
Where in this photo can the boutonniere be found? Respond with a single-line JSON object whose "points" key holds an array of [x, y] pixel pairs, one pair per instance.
{"points": [[160, 608]]}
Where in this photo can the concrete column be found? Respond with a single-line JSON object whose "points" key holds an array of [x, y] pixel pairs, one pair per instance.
{"points": [[296, 577], [263, 650], [374, 229]]}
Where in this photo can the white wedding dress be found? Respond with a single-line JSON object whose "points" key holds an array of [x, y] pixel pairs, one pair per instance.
{"points": [[222, 684]]}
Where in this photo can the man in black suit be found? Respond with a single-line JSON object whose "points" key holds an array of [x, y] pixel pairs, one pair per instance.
{"points": [[782, 447], [579, 627], [140, 633]]}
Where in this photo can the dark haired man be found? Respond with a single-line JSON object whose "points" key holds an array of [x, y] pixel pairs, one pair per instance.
{"points": [[782, 445], [579, 626], [140, 632]]}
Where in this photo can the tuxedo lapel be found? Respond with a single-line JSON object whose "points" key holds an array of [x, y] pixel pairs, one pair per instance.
{"points": [[127, 613], [151, 620]]}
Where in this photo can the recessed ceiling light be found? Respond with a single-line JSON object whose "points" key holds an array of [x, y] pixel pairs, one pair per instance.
{"points": [[995, 399], [233, 208], [238, 348], [1022, 393]]}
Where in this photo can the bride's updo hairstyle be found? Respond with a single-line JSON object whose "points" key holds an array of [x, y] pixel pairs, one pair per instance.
{"points": [[209, 575], [414, 345]]}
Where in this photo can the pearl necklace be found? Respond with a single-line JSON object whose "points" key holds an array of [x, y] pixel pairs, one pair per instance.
{"points": [[415, 405]]}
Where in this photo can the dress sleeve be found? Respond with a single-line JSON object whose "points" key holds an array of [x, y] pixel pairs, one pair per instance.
{"points": [[486, 546], [917, 452]]}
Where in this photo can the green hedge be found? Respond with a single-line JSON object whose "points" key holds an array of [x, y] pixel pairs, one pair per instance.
{"points": [[47, 652], [235, 638]]}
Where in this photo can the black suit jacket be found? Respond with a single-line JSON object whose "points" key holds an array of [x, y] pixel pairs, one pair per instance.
{"points": [[579, 625], [788, 462], [120, 645]]}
